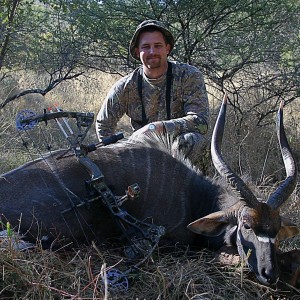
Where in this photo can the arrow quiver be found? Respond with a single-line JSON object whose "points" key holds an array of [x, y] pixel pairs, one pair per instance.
{"points": [[141, 237]]}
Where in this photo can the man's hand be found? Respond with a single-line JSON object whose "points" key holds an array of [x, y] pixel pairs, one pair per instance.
{"points": [[157, 127]]}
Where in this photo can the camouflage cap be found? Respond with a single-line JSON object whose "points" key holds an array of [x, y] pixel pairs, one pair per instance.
{"points": [[150, 23]]}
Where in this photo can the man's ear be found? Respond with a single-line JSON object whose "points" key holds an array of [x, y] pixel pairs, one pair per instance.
{"points": [[288, 229], [211, 225], [168, 48]]}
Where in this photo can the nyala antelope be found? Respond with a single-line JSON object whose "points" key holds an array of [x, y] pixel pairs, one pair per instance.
{"points": [[194, 210]]}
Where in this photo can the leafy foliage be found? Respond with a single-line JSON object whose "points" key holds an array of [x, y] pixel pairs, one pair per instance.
{"points": [[249, 48]]}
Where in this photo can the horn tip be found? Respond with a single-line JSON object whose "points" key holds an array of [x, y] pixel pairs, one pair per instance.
{"points": [[281, 104], [225, 97]]}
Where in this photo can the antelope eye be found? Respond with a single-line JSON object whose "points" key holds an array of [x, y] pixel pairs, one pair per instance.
{"points": [[246, 226]]}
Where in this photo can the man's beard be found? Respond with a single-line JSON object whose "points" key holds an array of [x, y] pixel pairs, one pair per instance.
{"points": [[153, 62]]}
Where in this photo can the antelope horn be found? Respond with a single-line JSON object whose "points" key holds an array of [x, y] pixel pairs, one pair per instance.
{"points": [[244, 193], [283, 192]]}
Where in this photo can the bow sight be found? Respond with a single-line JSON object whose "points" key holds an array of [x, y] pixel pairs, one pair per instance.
{"points": [[141, 237]]}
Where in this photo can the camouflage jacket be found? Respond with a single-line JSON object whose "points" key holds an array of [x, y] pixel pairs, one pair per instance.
{"points": [[189, 103]]}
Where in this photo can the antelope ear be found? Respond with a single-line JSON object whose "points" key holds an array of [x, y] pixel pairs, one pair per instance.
{"points": [[288, 229], [211, 225]]}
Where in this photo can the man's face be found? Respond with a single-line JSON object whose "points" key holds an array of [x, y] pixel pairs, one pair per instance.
{"points": [[152, 49]]}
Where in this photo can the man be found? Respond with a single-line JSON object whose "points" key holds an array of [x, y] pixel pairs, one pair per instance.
{"points": [[162, 96]]}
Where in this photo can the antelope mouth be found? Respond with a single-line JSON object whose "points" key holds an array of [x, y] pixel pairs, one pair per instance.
{"points": [[268, 281]]}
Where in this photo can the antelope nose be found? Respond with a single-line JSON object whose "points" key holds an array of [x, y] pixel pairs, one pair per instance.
{"points": [[270, 275]]}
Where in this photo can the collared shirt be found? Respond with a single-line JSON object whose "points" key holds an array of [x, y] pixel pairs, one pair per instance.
{"points": [[189, 102]]}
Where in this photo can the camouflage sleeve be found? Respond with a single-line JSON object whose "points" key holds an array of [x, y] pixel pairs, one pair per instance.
{"points": [[196, 108], [111, 111], [190, 123]]}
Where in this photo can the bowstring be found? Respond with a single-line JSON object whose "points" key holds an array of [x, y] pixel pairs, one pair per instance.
{"points": [[55, 171], [67, 192]]}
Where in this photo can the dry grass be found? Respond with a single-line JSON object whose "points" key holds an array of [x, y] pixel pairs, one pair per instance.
{"points": [[80, 274], [177, 274]]}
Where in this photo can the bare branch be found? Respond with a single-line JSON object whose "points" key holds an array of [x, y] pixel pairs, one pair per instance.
{"points": [[42, 92]]}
